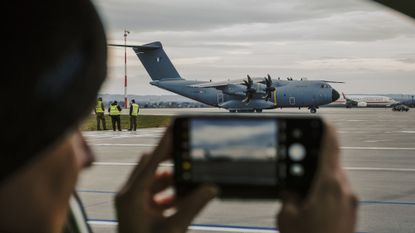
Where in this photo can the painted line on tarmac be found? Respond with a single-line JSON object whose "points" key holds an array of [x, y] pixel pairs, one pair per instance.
{"points": [[382, 169], [200, 227], [123, 144], [375, 148], [369, 202], [343, 147], [362, 202], [126, 164], [204, 227]]}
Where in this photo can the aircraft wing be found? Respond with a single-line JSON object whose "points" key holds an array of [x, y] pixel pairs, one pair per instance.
{"points": [[225, 83]]}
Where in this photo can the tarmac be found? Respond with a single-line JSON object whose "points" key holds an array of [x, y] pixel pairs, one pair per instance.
{"points": [[378, 153]]}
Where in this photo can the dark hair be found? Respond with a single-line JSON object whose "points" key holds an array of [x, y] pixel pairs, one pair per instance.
{"points": [[57, 58]]}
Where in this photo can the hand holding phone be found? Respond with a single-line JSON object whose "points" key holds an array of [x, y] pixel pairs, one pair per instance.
{"points": [[246, 156]]}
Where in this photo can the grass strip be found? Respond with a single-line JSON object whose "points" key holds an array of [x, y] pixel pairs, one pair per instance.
{"points": [[143, 121]]}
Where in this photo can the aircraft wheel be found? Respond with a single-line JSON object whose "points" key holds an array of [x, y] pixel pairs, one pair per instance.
{"points": [[232, 111], [313, 110], [258, 110]]}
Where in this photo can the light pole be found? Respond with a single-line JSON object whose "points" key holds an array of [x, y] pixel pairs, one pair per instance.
{"points": [[126, 32]]}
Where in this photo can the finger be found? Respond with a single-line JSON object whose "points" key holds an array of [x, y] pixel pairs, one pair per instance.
{"points": [[330, 153], [326, 180], [289, 213], [163, 204], [161, 153], [161, 182], [190, 206], [146, 171], [135, 173]]}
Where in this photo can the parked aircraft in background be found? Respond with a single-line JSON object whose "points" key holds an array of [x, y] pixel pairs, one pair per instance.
{"points": [[360, 101], [408, 100], [245, 95]]}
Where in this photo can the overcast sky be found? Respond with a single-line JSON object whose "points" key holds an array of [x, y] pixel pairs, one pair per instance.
{"points": [[368, 46]]}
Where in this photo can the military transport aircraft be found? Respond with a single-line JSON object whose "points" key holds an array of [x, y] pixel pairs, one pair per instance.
{"points": [[245, 95]]}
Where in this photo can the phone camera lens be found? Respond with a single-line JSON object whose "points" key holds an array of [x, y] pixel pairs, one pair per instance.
{"points": [[297, 133], [296, 152], [186, 176], [297, 170]]}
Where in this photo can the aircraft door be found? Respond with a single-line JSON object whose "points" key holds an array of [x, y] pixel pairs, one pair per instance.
{"points": [[220, 97], [292, 100]]}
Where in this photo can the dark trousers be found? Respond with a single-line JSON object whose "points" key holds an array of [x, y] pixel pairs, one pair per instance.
{"points": [[101, 118], [133, 123], [116, 120]]}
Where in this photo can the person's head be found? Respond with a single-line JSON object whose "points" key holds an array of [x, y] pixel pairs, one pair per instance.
{"points": [[58, 58], [115, 102], [99, 98], [133, 101]]}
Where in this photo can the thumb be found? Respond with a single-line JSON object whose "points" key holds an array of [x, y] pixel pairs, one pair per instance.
{"points": [[289, 213], [191, 205]]}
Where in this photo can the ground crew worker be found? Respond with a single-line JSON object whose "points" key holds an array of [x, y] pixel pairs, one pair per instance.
{"points": [[115, 112], [99, 112], [134, 109]]}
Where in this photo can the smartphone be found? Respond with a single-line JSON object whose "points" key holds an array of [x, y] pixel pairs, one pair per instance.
{"points": [[246, 156]]}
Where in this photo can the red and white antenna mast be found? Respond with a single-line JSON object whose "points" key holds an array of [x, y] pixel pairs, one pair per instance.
{"points": [[126, 32]]}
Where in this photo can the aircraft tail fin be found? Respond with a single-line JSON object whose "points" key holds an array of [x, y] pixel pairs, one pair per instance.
{"points": [[155, 61]]}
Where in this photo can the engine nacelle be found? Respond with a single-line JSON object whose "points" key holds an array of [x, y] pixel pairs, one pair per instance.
{"points": [[361, 104]]}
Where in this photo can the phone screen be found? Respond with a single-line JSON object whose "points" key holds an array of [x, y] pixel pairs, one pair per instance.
{"points": [[233, 151]]}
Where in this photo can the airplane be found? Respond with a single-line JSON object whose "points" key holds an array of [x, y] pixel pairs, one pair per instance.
{"points": [[362, 101], [245, 95]]}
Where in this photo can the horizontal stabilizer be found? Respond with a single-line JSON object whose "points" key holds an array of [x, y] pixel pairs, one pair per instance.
{"points": [[146, 47], [328, 81]]}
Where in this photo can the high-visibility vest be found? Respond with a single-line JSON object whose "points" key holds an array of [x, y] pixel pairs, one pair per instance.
{"points": [[98, 107], [135, 110], [114, 110]]}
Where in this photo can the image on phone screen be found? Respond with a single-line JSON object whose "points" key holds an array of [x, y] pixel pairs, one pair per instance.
{"points": [[234, 151]]}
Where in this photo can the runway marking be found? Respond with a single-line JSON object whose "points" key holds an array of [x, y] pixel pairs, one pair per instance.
{"points": [[375, 148], [383, 169], [202, 227], [123, 144], [342, 147], [347, 168], [407, 131], [127, 164], [362, 202]]}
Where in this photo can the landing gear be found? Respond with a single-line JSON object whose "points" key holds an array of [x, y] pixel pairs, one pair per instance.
{"points": [[258, 110], [232, 111], [313, 109]]}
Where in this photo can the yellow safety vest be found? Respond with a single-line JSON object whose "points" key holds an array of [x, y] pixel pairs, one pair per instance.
{"points": [[98, 108], [114, 110], [135, 109]]}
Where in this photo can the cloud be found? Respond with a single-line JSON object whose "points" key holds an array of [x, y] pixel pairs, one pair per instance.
{"points": [[379, 64], [226, 39]]}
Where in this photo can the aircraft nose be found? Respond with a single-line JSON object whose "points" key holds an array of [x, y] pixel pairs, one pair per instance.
{"points": [[334, 95]]}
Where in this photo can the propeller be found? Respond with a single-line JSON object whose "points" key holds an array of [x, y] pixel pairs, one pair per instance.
{"points": [[249, 92], [269, 89]]}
